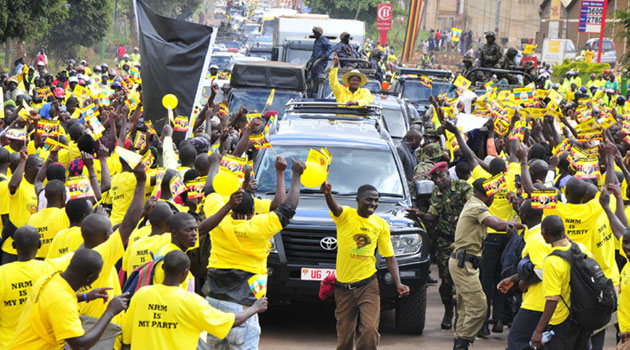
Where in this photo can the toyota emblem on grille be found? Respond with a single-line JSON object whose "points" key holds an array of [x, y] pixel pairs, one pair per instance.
{"points": [[328, 243]]}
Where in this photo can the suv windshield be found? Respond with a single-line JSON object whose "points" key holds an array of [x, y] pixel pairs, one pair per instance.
{"points": [[350, 168], [394, 122], [222, 61], [256, 99], [416, 92], [296, 56]]}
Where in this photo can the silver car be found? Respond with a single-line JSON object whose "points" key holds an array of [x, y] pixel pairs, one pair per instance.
{"points": [[609, 55]]}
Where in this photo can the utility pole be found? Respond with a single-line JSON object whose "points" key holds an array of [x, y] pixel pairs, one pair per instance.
{"points": [[496, 23]]}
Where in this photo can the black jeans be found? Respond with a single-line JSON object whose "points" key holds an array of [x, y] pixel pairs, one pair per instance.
{"points": [[490, 274], [523, 327], [568, 336]]}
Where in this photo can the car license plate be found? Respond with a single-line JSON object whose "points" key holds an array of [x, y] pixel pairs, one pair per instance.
{"points": [[309, 274]]}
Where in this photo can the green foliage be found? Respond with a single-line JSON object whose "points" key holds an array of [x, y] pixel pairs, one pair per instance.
{"points": [[584, 69], [180, 9], [86, 25], [623, 16], [348, 9], [29, 19]]}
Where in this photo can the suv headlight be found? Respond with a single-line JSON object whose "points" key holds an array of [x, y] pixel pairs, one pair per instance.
{"points": [[406, 244], [272, 245]]}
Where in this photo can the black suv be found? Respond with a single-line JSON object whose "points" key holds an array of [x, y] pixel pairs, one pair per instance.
{"points": [[305, 251]]}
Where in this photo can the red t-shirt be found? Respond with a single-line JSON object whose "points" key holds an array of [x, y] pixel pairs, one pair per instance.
{"points": [[121, 51], [438, 35]]}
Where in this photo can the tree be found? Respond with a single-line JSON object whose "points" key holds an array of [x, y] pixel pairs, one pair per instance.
{"points": [[366, 9], [29, 19], [86, 25], [624, 20], [180, 9]]}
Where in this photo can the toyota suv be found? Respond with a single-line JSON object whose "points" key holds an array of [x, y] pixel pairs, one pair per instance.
{"points": [[305, 251]]}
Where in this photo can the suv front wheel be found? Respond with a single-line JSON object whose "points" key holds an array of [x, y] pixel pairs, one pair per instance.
{"points": [[411, 312]]}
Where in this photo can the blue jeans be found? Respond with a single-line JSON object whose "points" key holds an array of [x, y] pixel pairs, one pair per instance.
{"points": [[243, 337]]}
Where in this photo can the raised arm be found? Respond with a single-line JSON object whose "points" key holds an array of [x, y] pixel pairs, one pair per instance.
{"points": [[281, 191], [617, 226], [334, 207], [213, 221], [88, 161], [293, 198], [134, 213], [17, 176], [41, 174]]}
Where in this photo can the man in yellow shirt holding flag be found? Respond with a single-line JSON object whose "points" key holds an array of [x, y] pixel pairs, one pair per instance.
{"points": [[353, 94]]}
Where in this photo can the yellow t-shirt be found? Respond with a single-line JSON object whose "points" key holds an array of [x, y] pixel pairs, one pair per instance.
{"points": [[214, 202], [16, 281], [48, 222], [537, 249], [357, 240], [243, 244], [65, 241], [363, 96], [50, 316], [121, 192], [478, 173], [140, 252], [111, 251], [67, 155], [588, 224], [158, 276], [556, 277], [501, 207], [166, 317], [139, 233], [623, 306], [22, 204], [4, 198]]}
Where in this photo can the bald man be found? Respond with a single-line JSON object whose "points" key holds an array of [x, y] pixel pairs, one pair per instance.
{"points": [[51, 318], [188, 311]]}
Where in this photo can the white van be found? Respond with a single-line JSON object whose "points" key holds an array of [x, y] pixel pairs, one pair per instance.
{"points": [[556, 50]]}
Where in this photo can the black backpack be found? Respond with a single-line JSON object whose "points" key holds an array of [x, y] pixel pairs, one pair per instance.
{"points": [[593, 297]]}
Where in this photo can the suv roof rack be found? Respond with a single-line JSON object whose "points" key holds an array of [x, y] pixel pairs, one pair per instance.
{"points": [[432, 73], [332, 107]]}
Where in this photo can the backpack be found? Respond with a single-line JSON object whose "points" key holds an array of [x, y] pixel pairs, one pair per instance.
{"points": [[142, 276], [593, 297]]}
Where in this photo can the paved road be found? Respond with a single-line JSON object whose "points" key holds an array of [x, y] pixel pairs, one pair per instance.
{"points": [[312, 326]]}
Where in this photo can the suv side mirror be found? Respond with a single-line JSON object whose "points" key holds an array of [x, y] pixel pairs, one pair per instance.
{"points": [[424, 188], [274, 54]]}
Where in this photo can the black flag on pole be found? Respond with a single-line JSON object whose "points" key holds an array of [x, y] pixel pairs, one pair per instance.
{"points": [[173, 56]]}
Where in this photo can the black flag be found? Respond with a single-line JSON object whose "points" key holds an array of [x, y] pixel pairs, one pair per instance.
{"points": [[173, 56]]}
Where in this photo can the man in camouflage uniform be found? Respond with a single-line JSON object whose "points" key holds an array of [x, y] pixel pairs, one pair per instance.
{"points": [[508, 62], [468, 66], [447, 201], [490, 53]]}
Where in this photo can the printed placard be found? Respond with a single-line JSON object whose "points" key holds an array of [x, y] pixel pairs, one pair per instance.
{"points": [[181, 123], [587, 168], [48, 128], [132, 158], [588, 136], [546, 199], [233, 164], [79, 187], [195, 187], [260, 141], [495, 184]]}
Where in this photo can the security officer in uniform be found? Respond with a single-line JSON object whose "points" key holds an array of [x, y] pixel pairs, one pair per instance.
{"points": [[468, 66], [322, 49], [508, 62], [463, 265], [490, 53], [447, 200], [345, 50]]}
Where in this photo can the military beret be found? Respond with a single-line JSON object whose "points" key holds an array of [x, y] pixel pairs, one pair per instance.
{"points": [[438, 168]]}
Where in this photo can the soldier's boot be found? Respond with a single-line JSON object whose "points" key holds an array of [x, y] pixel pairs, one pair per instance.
{"points": [[447, 320], [461, 344]]}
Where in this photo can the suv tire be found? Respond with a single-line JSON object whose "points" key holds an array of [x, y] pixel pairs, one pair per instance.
{"points": [[411, 312]]}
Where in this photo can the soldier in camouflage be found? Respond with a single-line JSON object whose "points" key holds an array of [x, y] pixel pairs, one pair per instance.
{"points": [[490, 53], [447, 201], [508, 62], [468, 66]]}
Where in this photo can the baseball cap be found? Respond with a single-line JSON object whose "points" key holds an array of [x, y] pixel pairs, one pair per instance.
{"points": [[59, 93]]}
